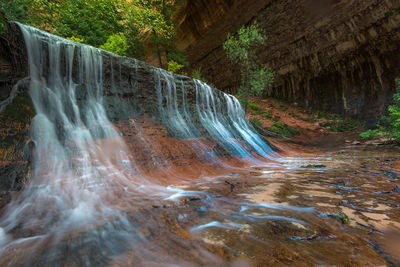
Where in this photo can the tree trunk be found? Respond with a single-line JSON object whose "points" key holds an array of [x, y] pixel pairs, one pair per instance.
{"points": [[158, 49]]}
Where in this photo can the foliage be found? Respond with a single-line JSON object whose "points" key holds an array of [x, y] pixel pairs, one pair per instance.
{"points": [[254, 107], [140, 26], [196, 74], [116, 44], [257, 125], [76, 39], [267, 114], [94, 21], [389, 126], [342, 124], [2, 24], [340, 216], [260, 78], [327, 115], [15, 10], [284, 129], [241, 49], [372, 134], [336, 123], [394, 112], [174, 67], [156, 18]]}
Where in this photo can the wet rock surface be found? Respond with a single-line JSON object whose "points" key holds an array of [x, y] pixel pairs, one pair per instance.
{"points": [[283, 212], [277, 213]]}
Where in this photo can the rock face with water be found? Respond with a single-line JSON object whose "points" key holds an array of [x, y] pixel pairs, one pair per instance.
{"points": [[341, 56], [92, 137], [90, 88]]}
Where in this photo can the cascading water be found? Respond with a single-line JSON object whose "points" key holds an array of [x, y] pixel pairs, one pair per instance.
{"points": [[85, 180], [219, 115]]}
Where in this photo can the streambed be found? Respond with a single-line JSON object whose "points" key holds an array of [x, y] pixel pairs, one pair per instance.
{"points": [[316, 208], [338, 208]]}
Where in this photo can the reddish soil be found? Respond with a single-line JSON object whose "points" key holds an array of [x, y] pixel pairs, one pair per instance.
{"points": [[308, 122]]}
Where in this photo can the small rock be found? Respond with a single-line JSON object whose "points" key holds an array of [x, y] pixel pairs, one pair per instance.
{"points": [[356, 143]]}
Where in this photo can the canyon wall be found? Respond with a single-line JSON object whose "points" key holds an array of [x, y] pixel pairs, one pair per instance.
{"points": [[334, 55]]}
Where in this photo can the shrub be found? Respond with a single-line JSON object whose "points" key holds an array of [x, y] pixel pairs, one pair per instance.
{"points": [[267, 114], [257, 125], [341, 124], [284, 129], [394, 112], [196, 74], [372, 134], [116, 44], [174, 67], [254, 107], [344, 126], [76, 39], [389, 126]]}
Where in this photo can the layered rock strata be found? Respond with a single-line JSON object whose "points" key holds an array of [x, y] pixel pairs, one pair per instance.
{"points": [[334, 55]]}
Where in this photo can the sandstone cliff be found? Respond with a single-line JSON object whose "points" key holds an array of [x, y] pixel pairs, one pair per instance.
{"points": [[334, 55]]}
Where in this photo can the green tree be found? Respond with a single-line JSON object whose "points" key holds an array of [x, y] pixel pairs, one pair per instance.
{"points": [[93, 21], [116, 44], [241, 49], [160, 27], [16, 10], [134, 25]]}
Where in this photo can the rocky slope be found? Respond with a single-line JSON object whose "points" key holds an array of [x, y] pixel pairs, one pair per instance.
{"points": [[335, 55]]}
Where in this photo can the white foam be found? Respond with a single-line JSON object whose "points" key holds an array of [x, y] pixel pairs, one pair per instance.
{"points": [[3, 236]]}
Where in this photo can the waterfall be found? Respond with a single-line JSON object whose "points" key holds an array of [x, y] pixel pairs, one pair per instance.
{"points": [[84, 178], [219, 114]]}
